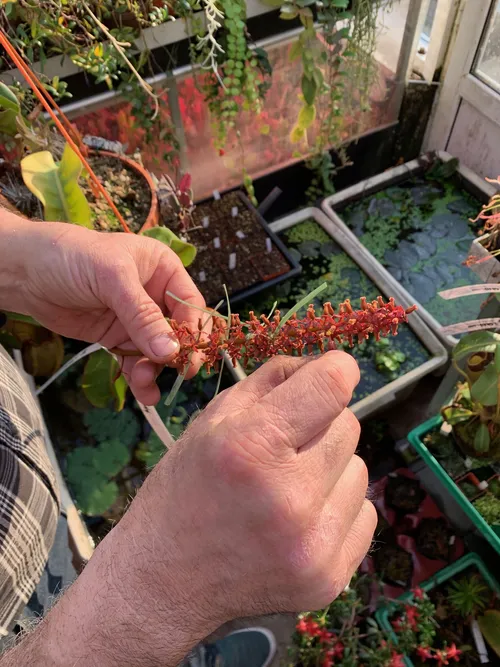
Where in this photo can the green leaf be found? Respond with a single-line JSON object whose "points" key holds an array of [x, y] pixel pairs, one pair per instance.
{"points": [[56, 186], [489, 624], [288, 13], [480, 341], [485, 388], [295, 51], [99, 379], [307, 116], [455, 415], [111, 457], [16, 317], [8, 99], [309, 88], [120, 392], [342, 4], [95, 499], [297, 134], [497, 358], [482, 439], [272, 3], [265, 129], [185, 251]]}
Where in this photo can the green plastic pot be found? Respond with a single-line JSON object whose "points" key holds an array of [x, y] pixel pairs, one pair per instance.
{"points": [[384, 614], [416, 440]]}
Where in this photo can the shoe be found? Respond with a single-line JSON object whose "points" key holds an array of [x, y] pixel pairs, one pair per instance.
{"points": [[250, 647]]}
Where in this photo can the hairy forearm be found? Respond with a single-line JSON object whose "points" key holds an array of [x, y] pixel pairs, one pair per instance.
{"points": [[105, 618]]}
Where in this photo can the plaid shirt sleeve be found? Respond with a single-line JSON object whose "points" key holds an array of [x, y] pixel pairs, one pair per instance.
{"points": [[29, 500]]}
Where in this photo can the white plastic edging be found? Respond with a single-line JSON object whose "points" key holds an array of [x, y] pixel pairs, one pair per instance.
{"points": [[384, 396], [150, 38], [373, 185]]}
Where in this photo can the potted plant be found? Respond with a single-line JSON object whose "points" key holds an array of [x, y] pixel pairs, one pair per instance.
{"points": [[465, 437], [455, 616]]}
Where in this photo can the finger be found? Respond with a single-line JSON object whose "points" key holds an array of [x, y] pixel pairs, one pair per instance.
{"points": [[141, 375], [248, 391], [347, 498], [326, 457], [303, 406], [141, 317], [359, 539]]}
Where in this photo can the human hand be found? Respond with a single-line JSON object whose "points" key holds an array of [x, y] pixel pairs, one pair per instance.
{"points": [[106, 288], [260, 507]]}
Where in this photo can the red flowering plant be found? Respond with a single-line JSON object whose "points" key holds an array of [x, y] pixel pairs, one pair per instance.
{"points": [[345, 633]]}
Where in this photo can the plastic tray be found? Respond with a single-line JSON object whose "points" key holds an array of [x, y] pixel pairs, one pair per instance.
{"points": [[383, 615], [416, 440]]}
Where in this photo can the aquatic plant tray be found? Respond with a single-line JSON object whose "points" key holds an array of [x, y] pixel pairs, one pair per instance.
{"points": [[424, 339], [426, 260], [402, 531], [416, 439], [471, 560], [261, 259]]}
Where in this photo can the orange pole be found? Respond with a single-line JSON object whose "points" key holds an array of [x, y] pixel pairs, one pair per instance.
{"points": [[27, 74]]}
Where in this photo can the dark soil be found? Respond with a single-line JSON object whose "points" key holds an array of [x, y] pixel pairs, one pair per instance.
{"points": [[12, 187], [433, 538], [404, 495], [254, 263], [128, 189], [394, 565]]}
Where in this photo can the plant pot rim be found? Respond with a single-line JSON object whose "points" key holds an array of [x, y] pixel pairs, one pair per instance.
{"points": [[153, 217]]}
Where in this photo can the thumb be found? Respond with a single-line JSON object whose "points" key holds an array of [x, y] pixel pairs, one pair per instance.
{"points": [[144, 322]]}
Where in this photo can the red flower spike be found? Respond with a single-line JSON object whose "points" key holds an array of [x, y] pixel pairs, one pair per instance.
{"points": [[260, 338], [442, 657]]}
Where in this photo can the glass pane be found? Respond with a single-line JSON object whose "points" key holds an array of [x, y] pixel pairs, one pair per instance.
{"points": [[429, 19], [488, 63]]}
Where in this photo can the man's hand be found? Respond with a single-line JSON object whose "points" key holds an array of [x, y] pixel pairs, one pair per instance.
{"points": [[259, 508], [106, 288]]}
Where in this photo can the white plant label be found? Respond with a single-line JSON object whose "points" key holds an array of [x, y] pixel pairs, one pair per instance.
{"points": [[216, 194], [472, 325], [202, 276], [234, 211], [457, 292], [269, 245], [232, 261], [206, 221], [240, 234], [217, 242]]}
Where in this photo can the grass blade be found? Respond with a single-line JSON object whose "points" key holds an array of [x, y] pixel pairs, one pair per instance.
{"points": [[272, 310], [303, 302], [212, 313]]}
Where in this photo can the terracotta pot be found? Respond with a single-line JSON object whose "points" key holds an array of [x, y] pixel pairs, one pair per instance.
{"points": [[153, 217]]}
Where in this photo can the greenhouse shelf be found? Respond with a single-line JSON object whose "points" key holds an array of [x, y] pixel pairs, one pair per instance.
{"points": [[383, 615], [416, 440]]}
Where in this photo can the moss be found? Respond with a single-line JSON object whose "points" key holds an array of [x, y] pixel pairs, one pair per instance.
{"points": [[489, 508], [307, 231]]}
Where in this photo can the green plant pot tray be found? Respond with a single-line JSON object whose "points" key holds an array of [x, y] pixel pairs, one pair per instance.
{"points": [[416, 440], [384, 614]]}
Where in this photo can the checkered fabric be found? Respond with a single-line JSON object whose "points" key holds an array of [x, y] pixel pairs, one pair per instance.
{"points": [[29, 500]]}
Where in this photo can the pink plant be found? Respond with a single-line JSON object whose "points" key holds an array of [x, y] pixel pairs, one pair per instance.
{"points": [[261, 338]]}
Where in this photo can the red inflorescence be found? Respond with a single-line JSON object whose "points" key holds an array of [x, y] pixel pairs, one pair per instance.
{"points": [[259, 339]]}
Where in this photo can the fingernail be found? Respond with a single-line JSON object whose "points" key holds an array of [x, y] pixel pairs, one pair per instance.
{"points": [[164, 346]]}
